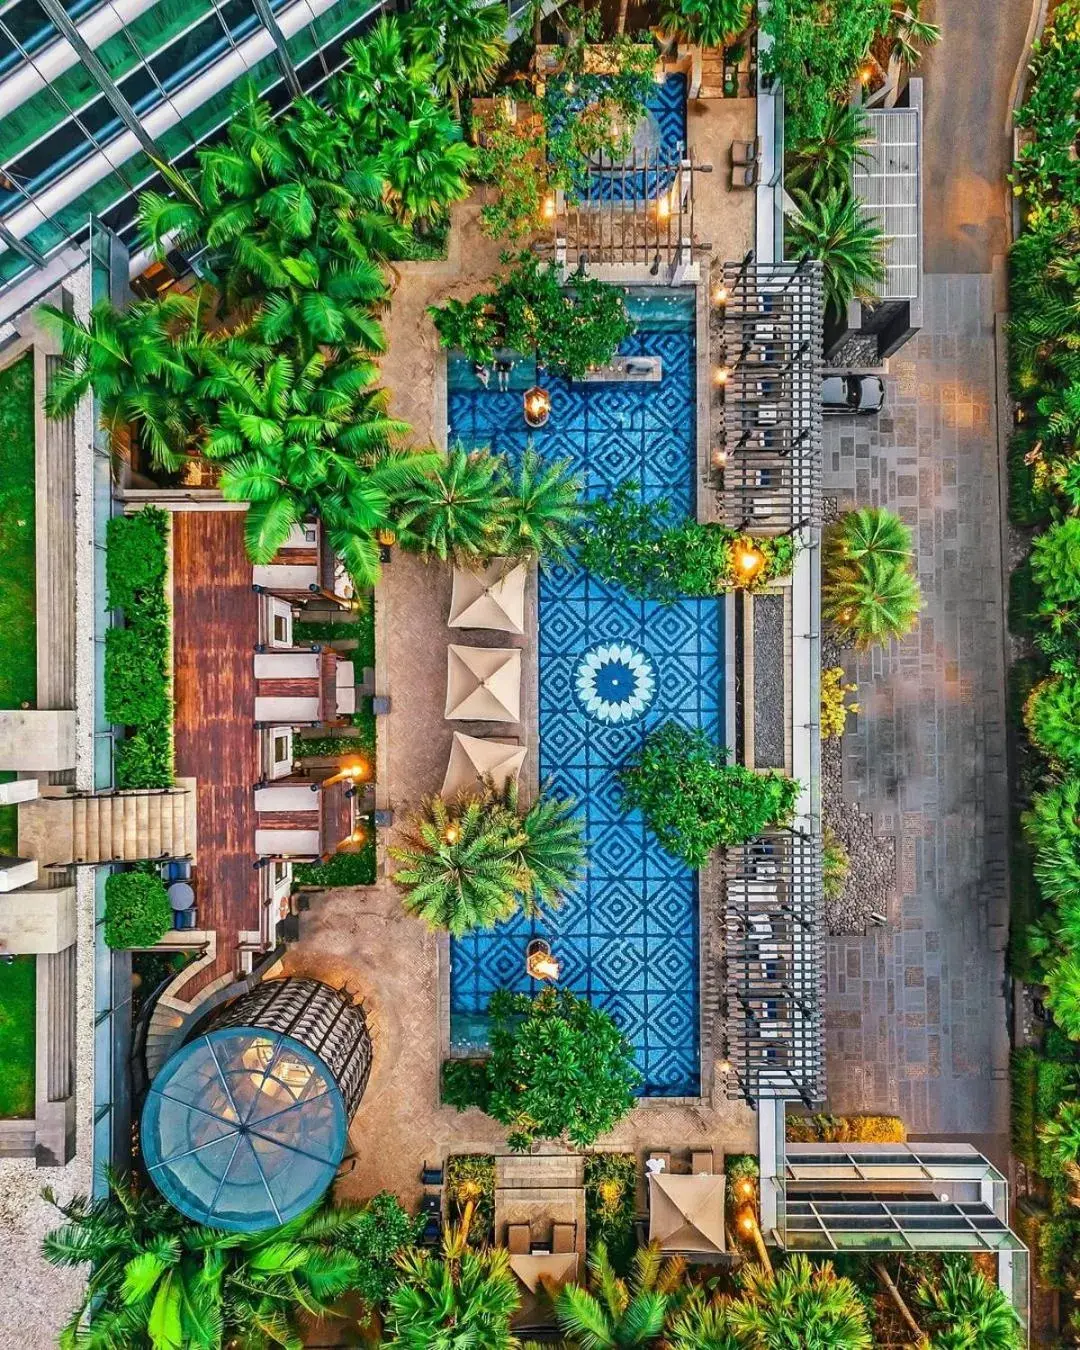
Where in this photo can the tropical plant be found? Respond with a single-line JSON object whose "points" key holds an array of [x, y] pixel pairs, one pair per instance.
{"points": [[546, 509], [834, 704], [869, 531], [827, 160], [559, 1069], [872, 600], [1052, 828], [467, 326], [703, 1324], [835, 865], [460, 1300], [963, 1310], [137, 910], [612, 1312], [710, 23], [1045, 170], [908, 31], [611, 1204], [1055, 562], [467, 40], [156, 1278], [1063, 992], [1062, 1134], [545, 843], [834, 227], [694, 801], [460, 511], [1052, 717], [799, 1304]]}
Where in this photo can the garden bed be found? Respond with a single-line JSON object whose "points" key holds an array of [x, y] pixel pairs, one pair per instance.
{"points": [[343, 869]]}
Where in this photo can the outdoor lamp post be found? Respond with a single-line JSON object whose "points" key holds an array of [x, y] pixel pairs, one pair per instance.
{"points": [[540, 964], [537, 405], [356, 841], [749, 561], [359, 771]]}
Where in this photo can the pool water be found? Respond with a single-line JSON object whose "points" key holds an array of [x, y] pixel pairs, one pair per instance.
{"points": [[611, 667]]}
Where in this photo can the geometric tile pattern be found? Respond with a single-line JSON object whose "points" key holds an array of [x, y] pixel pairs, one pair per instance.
{"points": [[628, 938], [665, 108]]}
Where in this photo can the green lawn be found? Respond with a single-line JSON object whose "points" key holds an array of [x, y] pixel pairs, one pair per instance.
{"points": [[18, 651], [18, 980]]}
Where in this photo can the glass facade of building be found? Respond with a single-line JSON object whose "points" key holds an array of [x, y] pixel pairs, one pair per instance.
{"points": [[91, 94]]}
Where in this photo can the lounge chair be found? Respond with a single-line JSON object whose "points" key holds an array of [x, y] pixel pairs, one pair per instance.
{"points": [[743, 175], [746, 152], [564, 1238], [518, 1239]]}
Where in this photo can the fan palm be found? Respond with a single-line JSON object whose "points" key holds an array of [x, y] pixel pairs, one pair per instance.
{"points": [[871, 601], [156, 1278], [710, 23], [546, 509], [833, 227], [865, 532], [962, 1302], [799, 1304], [142, 364], [549, 848], [703, 1325], [460, 511], [613, 1312], [907, 31], [463, 1300], [467, 40], [827, 161], [1062, 1134], [458, 872]]}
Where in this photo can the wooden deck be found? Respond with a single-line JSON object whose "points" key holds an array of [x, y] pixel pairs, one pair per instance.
{"points": [[215, 627]]}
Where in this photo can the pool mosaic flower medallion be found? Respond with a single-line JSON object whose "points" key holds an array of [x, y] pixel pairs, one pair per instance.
{"points": [[615, 682]]}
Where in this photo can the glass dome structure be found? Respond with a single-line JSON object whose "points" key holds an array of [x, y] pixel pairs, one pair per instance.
{"points": [[244, 1128]]}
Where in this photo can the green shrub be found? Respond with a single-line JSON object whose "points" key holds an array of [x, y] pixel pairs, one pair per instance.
{"points": [[835, 865], [694, 801], [135, 688], [1046, 168], [135, 560], [1055, 562], [1052, 827], [1063, 993], [1057, 1251], [145, 759], [137, 910], [1024, 1076], [464, 1083], [1030, 495], [1024, 599], [1052, 717], [611, 1204], [342, 869]]}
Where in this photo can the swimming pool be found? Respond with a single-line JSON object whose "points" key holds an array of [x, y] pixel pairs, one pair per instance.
{"points": [[611, 667]]}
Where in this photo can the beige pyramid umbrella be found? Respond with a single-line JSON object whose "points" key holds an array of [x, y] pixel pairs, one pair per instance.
{"points": [[492, 598], [473, 758], [483, 684], [686, 1213]]}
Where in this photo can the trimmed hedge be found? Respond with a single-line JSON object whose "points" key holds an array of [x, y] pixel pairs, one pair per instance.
{"points": [[138, 684], [137, 910]]}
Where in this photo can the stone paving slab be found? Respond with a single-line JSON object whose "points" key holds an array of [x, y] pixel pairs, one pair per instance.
{"points": [[915, 1011]]}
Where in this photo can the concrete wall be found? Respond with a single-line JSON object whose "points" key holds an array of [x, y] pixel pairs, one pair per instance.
{"points": [[36, 739], [37, 921]]}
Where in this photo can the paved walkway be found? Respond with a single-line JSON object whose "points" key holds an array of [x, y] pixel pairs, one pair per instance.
{"points": [[916, 1019]]}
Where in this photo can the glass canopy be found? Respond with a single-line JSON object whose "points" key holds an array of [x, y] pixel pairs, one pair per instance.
{"points": [[243, 1129]]}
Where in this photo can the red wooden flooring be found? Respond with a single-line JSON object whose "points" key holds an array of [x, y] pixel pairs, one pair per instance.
{"points": [[215, 628]]}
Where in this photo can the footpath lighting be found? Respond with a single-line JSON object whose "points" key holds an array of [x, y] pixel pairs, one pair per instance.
{"points": [[720, 295], [721, 375], [749, 562], [537, 405], [540, 964]]}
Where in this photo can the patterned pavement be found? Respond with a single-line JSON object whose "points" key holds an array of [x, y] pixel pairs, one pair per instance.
{"points": [[628, 938]]}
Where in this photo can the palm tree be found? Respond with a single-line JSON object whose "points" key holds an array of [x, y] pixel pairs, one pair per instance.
{"points": [[460, 511], [827, 161], [467, 40], [907, 29], [868, 531], [710, 23], [833, 227], [461, 1301], [799, 1304], [549, 848], [546, 509], [142, 364], [612, 1312], [871, 601], [962, 1307], [458, 871], [703, 1325], [156, 1278], [1063, 992], [1062, 1134]]}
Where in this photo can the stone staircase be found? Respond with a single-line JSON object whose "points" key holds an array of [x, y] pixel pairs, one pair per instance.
{"points": [[65, 827]]}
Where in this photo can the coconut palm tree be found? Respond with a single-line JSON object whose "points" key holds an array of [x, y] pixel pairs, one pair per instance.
{"points": [[467, 40], [871, 601], [612, 1312], [458, 870], [710, 23], [462, 1300], [142, 365], [962, 1307], [460, 511], [799, 1304], [156, 1278], [868, 531], [546, 509], [833, 227], [827, 161], [549, 847]]}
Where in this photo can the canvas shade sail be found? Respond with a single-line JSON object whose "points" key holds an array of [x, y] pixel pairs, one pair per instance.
{"points": [[474, 759], [492, 598], [483, 684], [243, 1129], [686, 1213]]}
